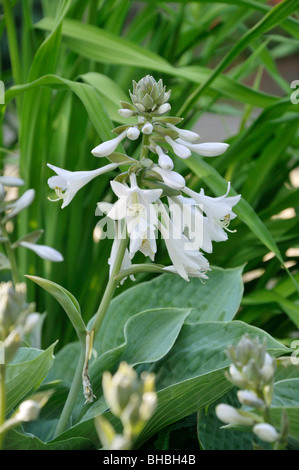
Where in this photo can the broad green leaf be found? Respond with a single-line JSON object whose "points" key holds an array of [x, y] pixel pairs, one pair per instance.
{"points": [[210, 434], [192, 376], [218, 299], [286, 398], [26, 372], [189, 377], [66, 300], [16, 440]]}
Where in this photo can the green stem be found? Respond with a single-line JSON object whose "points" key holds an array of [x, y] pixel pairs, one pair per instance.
{"points": [[82, 365], [2, 401], [144, 146], [73, 394], [111, 286], [140, 268], [11, 256]]}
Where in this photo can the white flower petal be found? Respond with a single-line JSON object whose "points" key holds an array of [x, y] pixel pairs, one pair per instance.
{"points": [[108, 147], [43, 251], [179, 149], [171, 178]]}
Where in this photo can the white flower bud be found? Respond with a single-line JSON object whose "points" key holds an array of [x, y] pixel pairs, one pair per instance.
{"points": [[249, 398], [266, 432], [133, 133], [189, 136], [108, 147], [147, 128], [28, 411], [230, 415], [236, 376], [164, 108], [43, 251], [31, 321], [207, 149], [164, 160], [171, 178], [180, 150], [126, 112]]}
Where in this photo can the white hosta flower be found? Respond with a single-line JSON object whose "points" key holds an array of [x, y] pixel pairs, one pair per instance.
{"points": [[43, 251], [207, 149], [67, 183], [171, 178], [188, 216], [108, 147], [185, 135], [266, 432], [218, 210], [230, 415], [186, 262], [181, 150], [164, 161], [135, 206], [133, 133]]}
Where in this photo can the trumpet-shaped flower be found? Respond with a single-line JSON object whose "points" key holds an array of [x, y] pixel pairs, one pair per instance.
{"points": [[135, 206], [186, 262], [67, 183], [218, 210]]}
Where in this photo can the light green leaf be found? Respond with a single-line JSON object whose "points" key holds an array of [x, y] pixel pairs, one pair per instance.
{"points": [[218, 299], [68, 302], [26, 372]]}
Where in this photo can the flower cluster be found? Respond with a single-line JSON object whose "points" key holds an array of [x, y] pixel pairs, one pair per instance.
{"points": [[132, 399], [152, 197], [253, 370]]}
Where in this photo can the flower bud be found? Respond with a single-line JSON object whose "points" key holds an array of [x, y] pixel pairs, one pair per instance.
{"points": [[108, 147], [12, 303], [180, 150], [133, 133], [150, 96], [164, 160], [164, 108], [186, 135], [230, 415], [249, 398], [126, 112], [147, 128], [28, 411], [266, 432]]}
